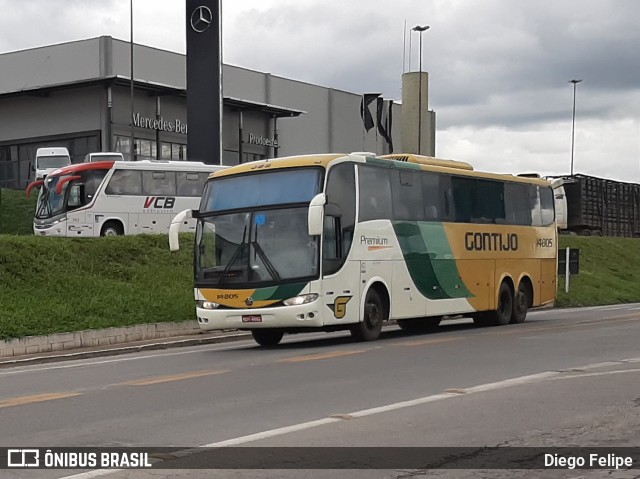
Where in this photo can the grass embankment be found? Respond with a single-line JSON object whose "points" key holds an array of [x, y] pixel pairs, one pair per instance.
{"points": [[50, 285], [61, 284], [609, 272], [16, 212]]}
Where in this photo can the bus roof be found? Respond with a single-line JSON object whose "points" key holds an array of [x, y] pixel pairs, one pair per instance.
{"points": [[284, 162], [78, 167], [166, 165], [428, 160], [137, 165], [398, 160]]}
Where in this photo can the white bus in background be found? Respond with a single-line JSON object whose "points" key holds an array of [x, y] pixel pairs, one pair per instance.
{"points": [[103, 156], [112, 198], [48, 159]]}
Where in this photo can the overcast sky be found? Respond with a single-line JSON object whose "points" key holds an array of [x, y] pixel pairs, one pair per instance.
{"points": [[499, 69]]}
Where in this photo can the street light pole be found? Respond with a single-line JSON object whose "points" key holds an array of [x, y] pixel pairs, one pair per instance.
{"points": [[573, 120], [420, 29], [132, 139]]}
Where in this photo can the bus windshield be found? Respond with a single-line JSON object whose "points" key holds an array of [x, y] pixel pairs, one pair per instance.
{"points": [[286, 186], [72, 195], [258, 247], [50, 202], [253, 228]]}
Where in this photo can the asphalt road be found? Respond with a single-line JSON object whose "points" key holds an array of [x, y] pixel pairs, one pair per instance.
{"points": [[562, 378]]}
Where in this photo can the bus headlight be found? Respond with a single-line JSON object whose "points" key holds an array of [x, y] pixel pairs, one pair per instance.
{"points": [[207, 305], [302, 299]]}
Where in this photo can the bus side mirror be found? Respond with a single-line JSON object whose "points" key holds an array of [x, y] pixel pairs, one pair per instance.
{"points": [[174, 229], [315, 219]]}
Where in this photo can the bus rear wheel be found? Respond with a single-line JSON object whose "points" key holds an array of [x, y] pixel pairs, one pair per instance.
{"points": [[267, 337], [502, 313], [521, 303], [112, 228], [375, 313]]}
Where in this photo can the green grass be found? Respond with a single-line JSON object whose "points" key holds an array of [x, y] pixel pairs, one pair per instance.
{"points": [[16, 212], [609, 272], [50, 285]]}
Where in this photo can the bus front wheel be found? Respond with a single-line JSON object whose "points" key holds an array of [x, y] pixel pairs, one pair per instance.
{"points": [[375, 313], [112, 228], [267, 337]]}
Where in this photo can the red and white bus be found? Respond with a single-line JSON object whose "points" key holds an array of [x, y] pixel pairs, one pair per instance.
{"points": [[111, 198]]}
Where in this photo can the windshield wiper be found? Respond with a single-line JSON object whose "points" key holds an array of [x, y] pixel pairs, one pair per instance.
{"points": [[235, 256], [44, 208], [267, 263]]}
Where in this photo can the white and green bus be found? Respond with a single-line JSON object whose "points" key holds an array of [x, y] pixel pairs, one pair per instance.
{"points": [[350, 241]]}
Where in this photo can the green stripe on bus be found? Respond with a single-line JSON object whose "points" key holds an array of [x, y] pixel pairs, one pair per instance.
{"points": [[429, 259], [284, 291], [444, 265], [288, 290], [263, 294]]}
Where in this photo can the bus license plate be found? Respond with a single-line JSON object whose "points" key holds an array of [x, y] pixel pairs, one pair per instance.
{"points": [[252, 318]]}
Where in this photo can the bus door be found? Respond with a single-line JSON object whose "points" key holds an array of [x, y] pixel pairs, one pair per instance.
{"points": [[77, 223], [341, 273], [340, 290]]}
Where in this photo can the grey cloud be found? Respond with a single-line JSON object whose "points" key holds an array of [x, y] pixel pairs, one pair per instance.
{"points": [[491, 62]]}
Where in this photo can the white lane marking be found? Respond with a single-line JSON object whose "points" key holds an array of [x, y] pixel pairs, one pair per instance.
{"points": [[603, 373], [532, 378], [507, 383], [96, 473], [31, 369]]}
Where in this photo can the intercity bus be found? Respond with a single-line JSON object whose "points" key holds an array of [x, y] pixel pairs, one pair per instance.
{"points": [[111, 198], [350, 241]]}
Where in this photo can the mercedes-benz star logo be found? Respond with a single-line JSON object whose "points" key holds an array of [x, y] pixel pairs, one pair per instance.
{"points": [[201, 19], [249, 301]]}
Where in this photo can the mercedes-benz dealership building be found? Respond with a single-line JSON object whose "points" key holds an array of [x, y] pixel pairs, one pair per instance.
{"points": [[79, 95]]}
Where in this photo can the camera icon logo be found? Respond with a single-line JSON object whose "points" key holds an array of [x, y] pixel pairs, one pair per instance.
{"points": [[23, 458]]}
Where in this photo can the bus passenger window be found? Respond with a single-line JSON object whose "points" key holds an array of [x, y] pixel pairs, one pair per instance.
{"points": [[375, 193], [547, 206], [125, 182]]}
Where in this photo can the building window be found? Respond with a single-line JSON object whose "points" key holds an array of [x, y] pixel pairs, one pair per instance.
{"points": [[147, 149], [165, 151]]}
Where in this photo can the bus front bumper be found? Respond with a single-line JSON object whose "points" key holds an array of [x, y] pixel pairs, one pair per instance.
{"points": [[302, 316], [57, 228]]}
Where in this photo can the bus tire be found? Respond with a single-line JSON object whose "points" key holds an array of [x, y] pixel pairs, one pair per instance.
{"points": [[481, 320], [112, 228], [375, 313], [267, 337], [420, 325], [521, 303], [502, 313]]}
